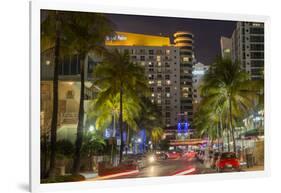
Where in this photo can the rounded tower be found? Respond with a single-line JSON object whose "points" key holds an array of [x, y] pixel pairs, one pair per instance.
{"points": [[185, 42]]}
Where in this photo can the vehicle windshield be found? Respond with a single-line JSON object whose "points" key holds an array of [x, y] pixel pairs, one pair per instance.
{"points": [[228, 155]]}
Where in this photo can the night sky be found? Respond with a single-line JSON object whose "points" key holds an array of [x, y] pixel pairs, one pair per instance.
{"points": [[207, 32]]}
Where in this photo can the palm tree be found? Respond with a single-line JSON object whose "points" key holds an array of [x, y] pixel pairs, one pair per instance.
{"points": [[105, 112], [51, 40], [227, 86], [156, 135], [118, 75], [88, 32]]}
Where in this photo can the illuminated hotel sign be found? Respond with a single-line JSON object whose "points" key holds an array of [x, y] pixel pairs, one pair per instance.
{"points": [[118, 37], [134, 39]]}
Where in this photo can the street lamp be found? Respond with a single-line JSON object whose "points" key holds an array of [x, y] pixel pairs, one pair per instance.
{"points": [[91, 128]]}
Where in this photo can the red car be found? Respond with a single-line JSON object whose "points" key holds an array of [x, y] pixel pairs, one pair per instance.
{"points": [[174, 154], [227, 161]]}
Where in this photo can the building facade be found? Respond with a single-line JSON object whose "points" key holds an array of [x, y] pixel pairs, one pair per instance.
{"points": [[248, 48], [198, 72], [161, 61], [185, 42], [226, 47]]}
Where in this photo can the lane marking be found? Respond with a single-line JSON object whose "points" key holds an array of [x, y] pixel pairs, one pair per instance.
{"points": [[184, 172]]}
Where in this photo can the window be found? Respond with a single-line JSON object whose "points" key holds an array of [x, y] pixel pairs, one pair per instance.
{"points": [[142, 58], [257, 39], [168, 82], [167, 89], [151, 52], [150, 64], [167, 76], [158, 58], [257, 47], [256, 30], [159, 83], [257, 55], [168, 52], [168, 95], [70, 94]]}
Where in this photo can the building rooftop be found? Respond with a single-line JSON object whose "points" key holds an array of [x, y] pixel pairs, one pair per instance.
{"points": [[134, 39]]}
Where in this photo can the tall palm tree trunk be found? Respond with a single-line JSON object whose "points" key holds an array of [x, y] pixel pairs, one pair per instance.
{"points": [[121, 123], [231, 125], [113, 137], [54, 123], [228, 140], [79, 138]]}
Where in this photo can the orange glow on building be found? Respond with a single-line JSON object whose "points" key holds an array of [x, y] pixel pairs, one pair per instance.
{"points": [[133, 39]]}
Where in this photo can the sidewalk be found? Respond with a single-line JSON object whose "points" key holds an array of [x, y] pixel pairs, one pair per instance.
{"points": [[254, 168]]}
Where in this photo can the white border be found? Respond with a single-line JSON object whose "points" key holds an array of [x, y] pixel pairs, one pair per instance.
{"points": [[35, 7]]}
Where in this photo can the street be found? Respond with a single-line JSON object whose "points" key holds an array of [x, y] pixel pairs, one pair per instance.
{"points": [[169, 167]]}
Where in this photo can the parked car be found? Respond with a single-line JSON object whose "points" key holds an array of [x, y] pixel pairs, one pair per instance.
{"points": [[227, 161]]}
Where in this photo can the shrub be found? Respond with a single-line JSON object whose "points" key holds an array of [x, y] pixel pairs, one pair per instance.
{"points": [[66, 178]]}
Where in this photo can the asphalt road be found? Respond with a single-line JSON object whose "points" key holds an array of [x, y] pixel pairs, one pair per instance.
{"points": [[168, 168]]}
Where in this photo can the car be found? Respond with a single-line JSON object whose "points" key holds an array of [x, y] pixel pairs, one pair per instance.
{"points": [[227, 161], [174, 154], [145, 160], [161, 155]]}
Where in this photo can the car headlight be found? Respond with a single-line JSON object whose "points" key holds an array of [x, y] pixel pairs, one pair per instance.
{"points": [[151, 159]]}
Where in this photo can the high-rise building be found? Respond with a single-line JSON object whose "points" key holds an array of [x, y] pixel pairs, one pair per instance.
{"points": [[226, 46], [161, 61], [198, 72], [185, 42], [248, 47]]}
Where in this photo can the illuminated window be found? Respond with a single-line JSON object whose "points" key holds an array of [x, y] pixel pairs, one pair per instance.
{"points": [[168, 51], [152, 94], [168, 94], [159, 63], [151, 82], [159, 83], [159, 101], [185, 59], [143, 63], [158, 58], [168, 82]]}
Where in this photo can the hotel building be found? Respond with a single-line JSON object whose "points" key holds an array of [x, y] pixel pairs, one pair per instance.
{"points": [[248, 47], [161, 61], [198, 72], [168, 68], [226, 47], [185, 42]]}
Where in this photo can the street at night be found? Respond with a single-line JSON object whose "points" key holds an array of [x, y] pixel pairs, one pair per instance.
{"points": [[132, 98]]}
